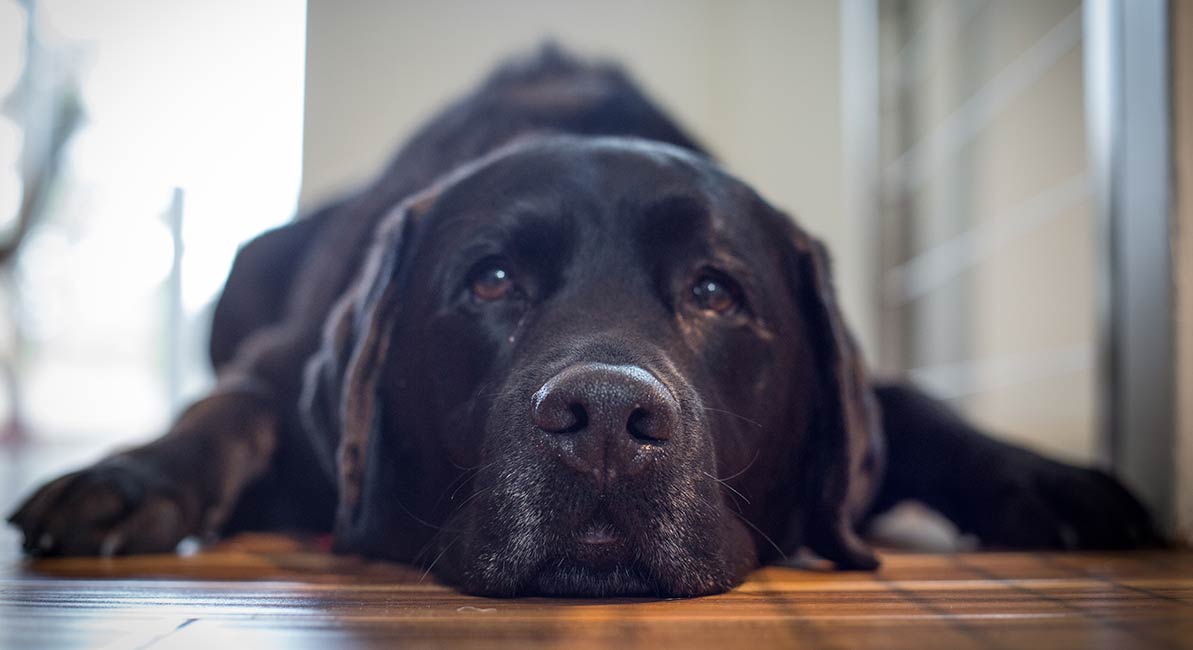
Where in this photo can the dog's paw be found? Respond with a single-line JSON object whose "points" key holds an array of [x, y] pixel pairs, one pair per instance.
{"points": [[118, 506], [1039, 503]]}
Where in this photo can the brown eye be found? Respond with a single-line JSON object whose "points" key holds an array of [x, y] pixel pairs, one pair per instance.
{"points": [[715, 294], [491, 283]]}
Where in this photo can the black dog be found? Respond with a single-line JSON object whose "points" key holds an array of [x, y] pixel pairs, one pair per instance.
{"points": [[555, 349]]}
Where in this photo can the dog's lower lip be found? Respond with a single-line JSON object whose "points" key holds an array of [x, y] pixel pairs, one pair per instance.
{"points": [[600, 545], [599, 536]]}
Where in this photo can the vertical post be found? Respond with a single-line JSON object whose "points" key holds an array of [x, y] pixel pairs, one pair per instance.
{"points": [[1103, 120], [860, 65], [1129, 124], [1182, 116], [174, 316]]}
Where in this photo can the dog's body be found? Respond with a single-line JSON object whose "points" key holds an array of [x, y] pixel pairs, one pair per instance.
{"points": [[555, 349]]}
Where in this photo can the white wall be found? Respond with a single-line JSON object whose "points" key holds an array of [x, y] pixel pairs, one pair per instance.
{"points": [[985, 164]]}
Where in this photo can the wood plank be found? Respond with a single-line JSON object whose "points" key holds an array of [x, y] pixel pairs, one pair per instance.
{"points": [[269, 591]]}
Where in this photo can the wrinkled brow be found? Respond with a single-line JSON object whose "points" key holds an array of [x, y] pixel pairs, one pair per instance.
{"points": [[679, 225], [673, 219]]}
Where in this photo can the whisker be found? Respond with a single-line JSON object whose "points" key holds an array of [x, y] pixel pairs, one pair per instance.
{"points": [[474, 495], [438, 557], [726, 485], [463, 483], [750, 464], [420, 519], [462, 468], [740, 417], [425, 550], [509, 392], [461, 480], [736, 506], [764, 535]]}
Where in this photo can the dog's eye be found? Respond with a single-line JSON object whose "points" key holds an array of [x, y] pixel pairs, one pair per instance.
{"points": [[491, 282], [715, 293]]}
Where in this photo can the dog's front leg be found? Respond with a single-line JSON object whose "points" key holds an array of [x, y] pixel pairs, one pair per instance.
{"points": [[149, 498], [1006, 495], [187, 482]]}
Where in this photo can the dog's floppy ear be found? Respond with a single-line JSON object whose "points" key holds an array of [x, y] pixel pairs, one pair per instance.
{"points": [[340, 399], [839, 465]]}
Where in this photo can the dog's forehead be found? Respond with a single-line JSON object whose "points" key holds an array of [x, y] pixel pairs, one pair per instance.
{"points": [[604, 174], [610, 151]]}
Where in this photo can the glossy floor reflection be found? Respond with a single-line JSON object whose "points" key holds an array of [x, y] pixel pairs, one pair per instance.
{"points": [[267, 591], [272, 591]]}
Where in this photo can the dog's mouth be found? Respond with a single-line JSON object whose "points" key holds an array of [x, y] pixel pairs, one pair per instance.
{"points": [[606, 549], [600, 543], [599, 534], [599, 560]]}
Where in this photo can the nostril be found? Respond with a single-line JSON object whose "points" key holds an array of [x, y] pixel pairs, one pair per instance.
{"points": [[579, 419], [646, 427], [555, 411]]}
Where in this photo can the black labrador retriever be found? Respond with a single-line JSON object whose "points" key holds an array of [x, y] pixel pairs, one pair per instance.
{"points": [[555, 349]]}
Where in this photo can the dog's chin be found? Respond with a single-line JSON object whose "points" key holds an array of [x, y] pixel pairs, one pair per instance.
{"points": [[593, 563], [576, 579], [536, 531], [597, 561]]}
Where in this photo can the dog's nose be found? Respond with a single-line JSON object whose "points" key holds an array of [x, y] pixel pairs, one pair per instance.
{"points": [[613, 409]]}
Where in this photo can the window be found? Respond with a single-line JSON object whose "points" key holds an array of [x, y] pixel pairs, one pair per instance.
{"points": [[188, 143]]}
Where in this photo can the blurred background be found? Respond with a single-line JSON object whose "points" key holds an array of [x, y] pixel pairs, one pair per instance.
{"points": [[996, 179]]}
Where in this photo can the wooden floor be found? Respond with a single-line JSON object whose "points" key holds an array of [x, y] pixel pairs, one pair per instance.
{"points": [[263, 592], [259, 592]]}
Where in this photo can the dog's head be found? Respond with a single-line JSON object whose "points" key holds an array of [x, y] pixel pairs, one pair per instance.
{"points": [[594, 366]]}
